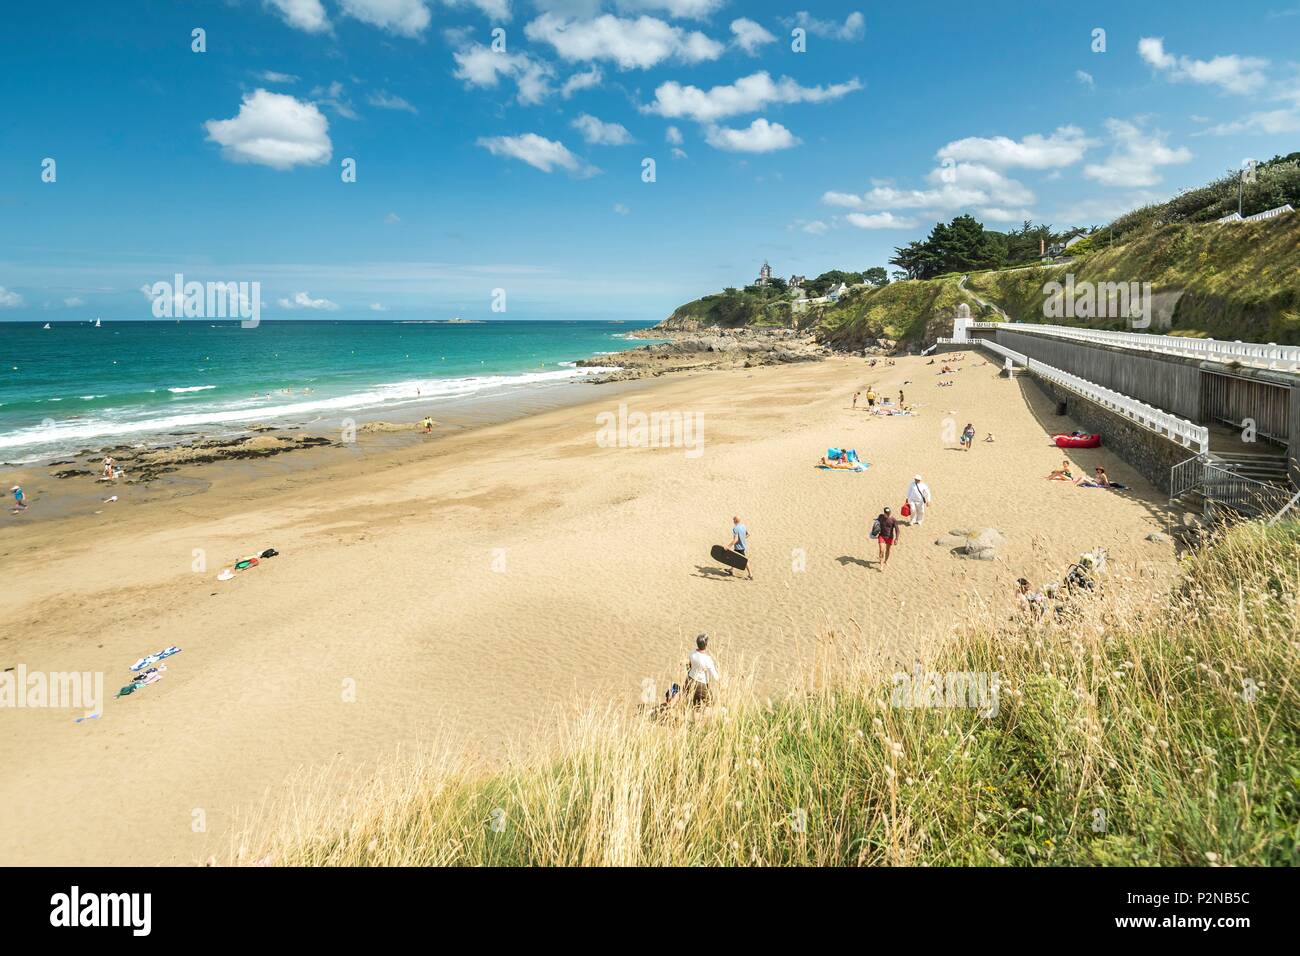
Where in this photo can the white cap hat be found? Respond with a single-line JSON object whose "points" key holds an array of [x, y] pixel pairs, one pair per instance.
{"points": [[15, 488], [916, 477]]}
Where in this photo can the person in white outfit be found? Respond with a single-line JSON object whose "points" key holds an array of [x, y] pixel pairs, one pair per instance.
{"points": [[701, 673], [919, 497]]}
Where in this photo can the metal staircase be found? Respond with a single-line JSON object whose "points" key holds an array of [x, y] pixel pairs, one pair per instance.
{"points": [[1233, 485]]}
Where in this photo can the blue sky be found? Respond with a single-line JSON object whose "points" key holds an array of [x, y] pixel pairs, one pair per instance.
{"points": [[481, 169]]}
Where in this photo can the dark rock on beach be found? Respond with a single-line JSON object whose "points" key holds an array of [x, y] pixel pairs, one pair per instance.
{"points": [[710, 349]]}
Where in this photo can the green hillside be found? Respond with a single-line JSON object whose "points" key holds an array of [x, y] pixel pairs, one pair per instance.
{"points": [[1238, 280]]}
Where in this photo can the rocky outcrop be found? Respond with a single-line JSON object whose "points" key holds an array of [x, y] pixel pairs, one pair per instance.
{"points": [[715, 348]]}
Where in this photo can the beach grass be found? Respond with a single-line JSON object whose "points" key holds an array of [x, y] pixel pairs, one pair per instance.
{"points": [[1127, 731]]}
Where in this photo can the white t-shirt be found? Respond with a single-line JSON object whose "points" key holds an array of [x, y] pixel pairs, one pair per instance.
{"points": [[702, 667], [919, 493]]}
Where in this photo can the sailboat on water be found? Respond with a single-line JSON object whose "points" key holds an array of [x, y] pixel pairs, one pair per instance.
{"points": [[97, 323], [47, 325]]}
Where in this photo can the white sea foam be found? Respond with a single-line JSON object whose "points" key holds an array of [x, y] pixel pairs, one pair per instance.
{"points": [[70, 433], [190, 388]]}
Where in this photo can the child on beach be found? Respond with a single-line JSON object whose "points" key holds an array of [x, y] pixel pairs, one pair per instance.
{"points": [[967, 436], [20, 500]]}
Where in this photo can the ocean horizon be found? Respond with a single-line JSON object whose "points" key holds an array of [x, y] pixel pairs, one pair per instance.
{"points": [[74, 385]]}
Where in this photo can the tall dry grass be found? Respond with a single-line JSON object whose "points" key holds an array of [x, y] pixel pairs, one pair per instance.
{"points": [[1128, 731]]}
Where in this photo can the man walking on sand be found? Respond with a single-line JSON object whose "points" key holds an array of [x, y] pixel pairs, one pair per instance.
{"points": [[700, 673], [918, 497], [885, 530], [740, 544]]}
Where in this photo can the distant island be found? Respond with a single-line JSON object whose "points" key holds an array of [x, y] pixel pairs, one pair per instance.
{"points": [[455, 321]]}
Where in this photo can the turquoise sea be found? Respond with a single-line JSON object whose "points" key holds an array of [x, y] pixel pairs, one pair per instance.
{"points": [[75, 386]]}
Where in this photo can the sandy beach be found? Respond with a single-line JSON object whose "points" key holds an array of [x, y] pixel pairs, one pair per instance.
{"points": [[468, 590]]}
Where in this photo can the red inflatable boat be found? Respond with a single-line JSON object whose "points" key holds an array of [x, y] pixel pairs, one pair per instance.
{"points": [[1077, 441]]}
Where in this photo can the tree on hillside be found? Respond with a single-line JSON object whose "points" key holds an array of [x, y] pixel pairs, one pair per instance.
{"points": [[876, 275], [829, 280]]}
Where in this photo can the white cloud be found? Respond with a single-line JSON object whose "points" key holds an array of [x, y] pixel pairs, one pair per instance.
{"points": [[673, 135], [679, 153], [582, 81], [334, 97], [392, 219], [407, 18], [959, 186], [274, 130], [271, 76], [1272, 122], [378, 307], [390, 101], [306, 15], [301, 300], [599, 133], [74, 302], [1135, 157], [538, 152], [854, 26], [1064, 147], [814, 228], [496, 10], [621, 209], [1104, 209], [692, 9], [1233, 73], [759, 137], [749, 94], [1084, 77], [481, 66], [750, 35], [10, 300], [632, 44], [880, 220]]}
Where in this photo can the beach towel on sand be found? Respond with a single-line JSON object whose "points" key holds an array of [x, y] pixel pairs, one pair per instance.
{"points": [[858, 466], [155, 658]]}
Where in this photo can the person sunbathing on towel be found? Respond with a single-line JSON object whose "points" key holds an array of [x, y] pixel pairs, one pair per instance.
{"points": [[836, 463], [1061, 474], [1099, 479]]}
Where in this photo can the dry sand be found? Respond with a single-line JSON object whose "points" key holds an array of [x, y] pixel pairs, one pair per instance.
{"points": [[472, 587]]}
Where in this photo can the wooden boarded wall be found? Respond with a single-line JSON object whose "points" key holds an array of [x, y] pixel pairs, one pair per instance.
{"points": [[1172, 386], [1231, 400]]}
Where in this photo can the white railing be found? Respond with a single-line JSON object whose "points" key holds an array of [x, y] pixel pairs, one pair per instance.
{"points": [[1002, 350], [1179, 429], [1265, 355], [1269, 214]]}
